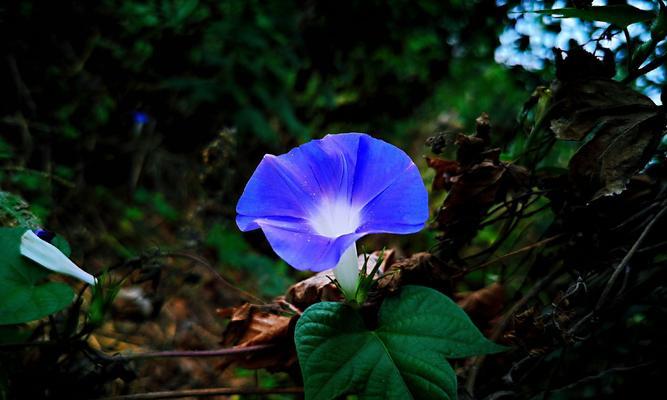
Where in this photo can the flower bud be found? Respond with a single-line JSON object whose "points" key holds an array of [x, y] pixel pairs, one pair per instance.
{"points": [[48, 256]]}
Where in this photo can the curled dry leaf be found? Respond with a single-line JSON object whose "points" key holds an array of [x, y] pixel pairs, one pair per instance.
{"points": [[483, 305], [617, 152], [252, 325], [475, 190], [444, 171], [620, 126], [419, 269], [273, 324], [319, 287], [475, 181]]}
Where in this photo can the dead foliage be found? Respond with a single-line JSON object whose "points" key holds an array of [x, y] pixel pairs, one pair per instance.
{"points": [[475, 181], [483, 305], [252, 325], [619, 127]]}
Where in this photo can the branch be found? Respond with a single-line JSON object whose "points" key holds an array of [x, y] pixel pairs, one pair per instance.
{"points": [[619, 268], [534, 291], [202, 261], [510, 254], [41, 174], [174, 394], [186, 353], [650, 66]]}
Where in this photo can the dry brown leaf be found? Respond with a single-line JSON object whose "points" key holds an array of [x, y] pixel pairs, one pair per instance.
{"points": [[252, 325], [444, 171], [580, 106], [419, 269], [621, 127], [273, 324], [320, 287], [479, 187], [604, 165], [483, 305]]}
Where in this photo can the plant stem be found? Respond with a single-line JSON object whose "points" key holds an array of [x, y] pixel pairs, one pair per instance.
{"points": [[190, 353], [174, 394]]}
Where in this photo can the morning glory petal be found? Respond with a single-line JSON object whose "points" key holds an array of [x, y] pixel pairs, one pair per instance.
{"points": [[315, 201], [400, 208], [378, 167], [304, 249], [274, 191]]}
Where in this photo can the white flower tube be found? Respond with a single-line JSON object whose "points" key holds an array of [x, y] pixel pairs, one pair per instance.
{"points": [[347, 272], [48, 256]]}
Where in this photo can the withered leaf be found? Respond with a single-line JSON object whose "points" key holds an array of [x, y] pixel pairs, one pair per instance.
{"points": [[483, 305], [319, 287], [625, 126], [419, 269], [580, 106], [251, 325], [475, 181], [617, 152], [444, 171], [478, 185]]}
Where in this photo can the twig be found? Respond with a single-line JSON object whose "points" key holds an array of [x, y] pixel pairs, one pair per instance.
{"points": [[617, 272], [205, 263], [510, 254], [653, 247], [21, 87], [523, 208], [656, 62], [593, 378], [635, 216], [175, 394], [186, 353], [619, 268], [42, 174], [534, 291], [628, 43]]}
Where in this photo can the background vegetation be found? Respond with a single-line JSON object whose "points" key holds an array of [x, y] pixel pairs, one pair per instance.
{"points": [[130, 128]]}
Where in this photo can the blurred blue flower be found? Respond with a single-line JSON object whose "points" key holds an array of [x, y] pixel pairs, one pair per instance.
{"points": [[45, 235], [140, 118], [316, 201]]}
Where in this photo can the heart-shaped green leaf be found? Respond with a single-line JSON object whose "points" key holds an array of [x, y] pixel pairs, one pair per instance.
{"points": [[403, 358], [25, 297]]}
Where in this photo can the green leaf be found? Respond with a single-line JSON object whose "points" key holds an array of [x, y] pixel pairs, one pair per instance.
{"points": [[403, 358], [61, 244], [12, 334], [619, 15], [103, 296], [25, 297], [14, 211]]}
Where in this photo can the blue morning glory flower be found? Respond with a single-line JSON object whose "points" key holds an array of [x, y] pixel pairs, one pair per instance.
{"points": [[45, 235], [316, 201], [140, 118]]}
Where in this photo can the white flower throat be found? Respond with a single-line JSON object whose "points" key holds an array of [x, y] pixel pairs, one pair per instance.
{"points": [[335, 218]]}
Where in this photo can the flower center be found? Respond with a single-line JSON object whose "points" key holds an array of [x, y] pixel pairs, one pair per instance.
{"points": [[335, 218]]}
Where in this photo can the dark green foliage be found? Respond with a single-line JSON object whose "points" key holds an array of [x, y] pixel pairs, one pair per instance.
{"points": [[402, 357], [25, 296], [131, 127]]}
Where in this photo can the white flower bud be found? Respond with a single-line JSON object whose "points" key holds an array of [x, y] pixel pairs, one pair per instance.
{"points": [[48, 256]]}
